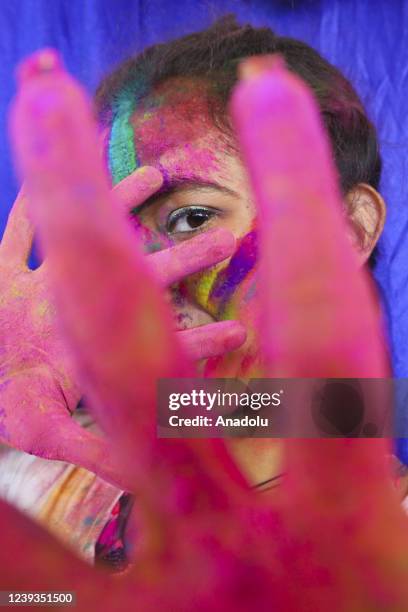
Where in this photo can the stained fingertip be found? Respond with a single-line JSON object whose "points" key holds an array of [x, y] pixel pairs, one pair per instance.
{"points": [[235, 336], [214, 339], [43, 61], [257, 65], [149, 180], [138, 186], [150, 176]]}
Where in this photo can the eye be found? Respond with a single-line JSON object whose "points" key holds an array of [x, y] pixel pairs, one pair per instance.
{"points": [[188, 219]]}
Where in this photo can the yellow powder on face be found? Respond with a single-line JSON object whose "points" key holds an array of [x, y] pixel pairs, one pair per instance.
{"points": [[203, 289]]}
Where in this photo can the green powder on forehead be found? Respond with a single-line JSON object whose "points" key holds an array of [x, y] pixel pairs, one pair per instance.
{"points": [[122, 149], [122, 154]]}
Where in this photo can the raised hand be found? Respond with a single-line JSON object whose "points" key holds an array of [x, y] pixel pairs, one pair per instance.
{"points": [[337, 539], [38, 389]]}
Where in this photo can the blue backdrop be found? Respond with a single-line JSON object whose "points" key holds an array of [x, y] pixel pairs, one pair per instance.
{"points": [[367, 40]]}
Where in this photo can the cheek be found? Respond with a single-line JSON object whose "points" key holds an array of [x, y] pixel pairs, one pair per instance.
{"points": [[227, 291]]}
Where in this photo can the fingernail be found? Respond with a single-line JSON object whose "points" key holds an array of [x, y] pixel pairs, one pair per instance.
{"points": [[259, 64], [41, 62], [235, 337]]}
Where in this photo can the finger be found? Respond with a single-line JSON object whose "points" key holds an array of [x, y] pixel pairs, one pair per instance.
{"points": [[175, 263], [137, 187], [322, 321], [212, 340], [36, 420], [115, 317], [98, 273], [130, 192], [311, 326], [17, 240], [68, 441]]}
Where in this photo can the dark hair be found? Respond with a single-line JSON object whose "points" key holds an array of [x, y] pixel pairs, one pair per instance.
{"points": [[212, 55]]}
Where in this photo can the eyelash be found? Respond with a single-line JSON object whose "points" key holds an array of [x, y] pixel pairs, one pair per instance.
{"points": [[178, 214]]}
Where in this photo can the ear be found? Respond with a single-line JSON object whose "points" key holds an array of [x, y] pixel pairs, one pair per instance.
{"points": [[366, 213]]}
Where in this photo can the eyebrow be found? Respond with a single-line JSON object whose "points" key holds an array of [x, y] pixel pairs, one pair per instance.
{"points": [[179, 184]]}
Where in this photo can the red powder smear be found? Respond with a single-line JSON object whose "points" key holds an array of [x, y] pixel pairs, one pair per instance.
{"points": [[174, 118]]}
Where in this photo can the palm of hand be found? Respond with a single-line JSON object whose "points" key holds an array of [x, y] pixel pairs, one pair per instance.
{"points": [[39, 389], [34, 360]]}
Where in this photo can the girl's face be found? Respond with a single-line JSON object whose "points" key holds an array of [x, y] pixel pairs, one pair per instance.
{"points": [[205, 186]]}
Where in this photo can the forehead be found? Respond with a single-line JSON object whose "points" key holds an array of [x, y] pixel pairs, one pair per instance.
{"points": [[171, 129]]}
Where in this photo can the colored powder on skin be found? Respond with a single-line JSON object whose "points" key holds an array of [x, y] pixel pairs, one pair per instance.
{"points": [[216, 287], [152, 241], [204, 287], [173, 119], [122, 154], [179, 294]]}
